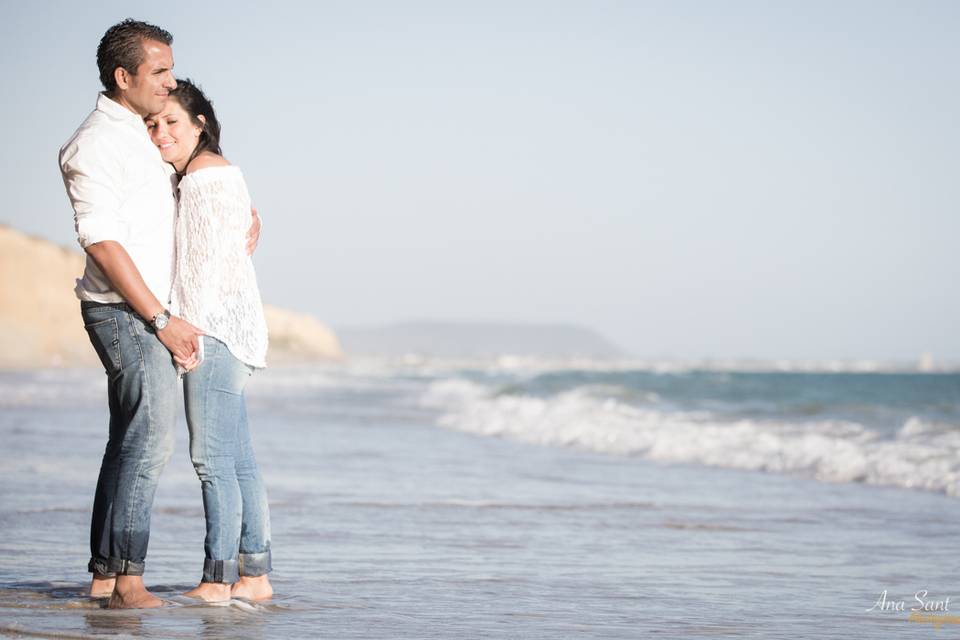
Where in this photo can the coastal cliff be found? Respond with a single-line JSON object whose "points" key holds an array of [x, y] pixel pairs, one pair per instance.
{"points": [[40, 322]]}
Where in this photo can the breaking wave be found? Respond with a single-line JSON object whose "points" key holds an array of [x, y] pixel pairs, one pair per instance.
{"points": [[921, 454]]}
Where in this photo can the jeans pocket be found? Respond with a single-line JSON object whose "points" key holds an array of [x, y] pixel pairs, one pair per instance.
{"points": [[105, 338], [233, 379]]}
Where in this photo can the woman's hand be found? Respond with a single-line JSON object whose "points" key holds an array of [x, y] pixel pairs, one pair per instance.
{"points": [[189, 364], [253, 235]]}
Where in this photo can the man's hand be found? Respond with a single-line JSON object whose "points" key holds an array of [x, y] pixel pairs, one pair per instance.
{"points": [[180, 338], [253, 235]]}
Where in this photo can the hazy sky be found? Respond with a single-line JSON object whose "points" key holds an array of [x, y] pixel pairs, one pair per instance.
{"points": [[719, 179]]}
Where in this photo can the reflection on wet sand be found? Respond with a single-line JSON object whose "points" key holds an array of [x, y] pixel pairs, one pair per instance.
{"points": [[31, 609]]}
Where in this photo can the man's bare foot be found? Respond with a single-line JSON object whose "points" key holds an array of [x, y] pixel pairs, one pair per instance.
{"points": [[210, 592], [252, 588], [102, 586], [129, 593]]}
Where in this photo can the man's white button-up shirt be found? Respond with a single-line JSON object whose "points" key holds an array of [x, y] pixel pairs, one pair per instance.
{"points": [[121, 190]]}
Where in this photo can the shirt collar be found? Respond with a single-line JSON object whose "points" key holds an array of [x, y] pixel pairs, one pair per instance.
{"points": [[117, 111]]}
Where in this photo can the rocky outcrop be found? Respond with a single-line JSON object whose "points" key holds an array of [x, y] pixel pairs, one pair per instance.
{"points": [[299, 337], [40, 322]]}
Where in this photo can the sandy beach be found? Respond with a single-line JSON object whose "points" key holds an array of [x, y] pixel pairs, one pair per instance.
{"points": [[388, 524]]}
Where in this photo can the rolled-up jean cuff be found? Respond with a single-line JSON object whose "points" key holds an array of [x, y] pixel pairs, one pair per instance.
{"points": [[221, 571], [110, 567], [255, 564]]}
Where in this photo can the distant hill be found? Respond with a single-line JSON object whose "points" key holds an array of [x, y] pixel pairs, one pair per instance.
{"points": [[474, 339], [40, 323]]}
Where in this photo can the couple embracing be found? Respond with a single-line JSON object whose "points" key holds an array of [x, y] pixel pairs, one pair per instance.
{"points": [[168, 294]]}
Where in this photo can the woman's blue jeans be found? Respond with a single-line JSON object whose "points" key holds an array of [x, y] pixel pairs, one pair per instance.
{"points": [[234, 497]]}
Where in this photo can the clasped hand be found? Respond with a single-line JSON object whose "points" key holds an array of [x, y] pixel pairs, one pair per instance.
{"points": [[180, 338]]}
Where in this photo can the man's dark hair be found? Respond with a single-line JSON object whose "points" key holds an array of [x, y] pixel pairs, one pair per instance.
{"points": [[189, 95], [122, 46]]}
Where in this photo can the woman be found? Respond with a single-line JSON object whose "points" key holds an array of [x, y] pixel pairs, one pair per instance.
{"points": [[215, 289]]}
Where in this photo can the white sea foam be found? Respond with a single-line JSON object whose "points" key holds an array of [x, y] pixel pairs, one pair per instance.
{"points": [[920, 455], [426, 364]]}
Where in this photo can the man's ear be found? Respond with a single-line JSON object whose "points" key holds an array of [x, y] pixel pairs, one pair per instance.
{"points": [[122, 78]]}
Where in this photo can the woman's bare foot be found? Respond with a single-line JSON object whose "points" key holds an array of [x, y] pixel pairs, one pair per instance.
{"points": [[252, 588], [210, 592], [129, 593], [102, 586]]}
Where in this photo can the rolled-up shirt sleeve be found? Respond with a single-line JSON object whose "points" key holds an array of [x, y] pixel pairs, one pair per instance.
{"points": [[92, 175]]}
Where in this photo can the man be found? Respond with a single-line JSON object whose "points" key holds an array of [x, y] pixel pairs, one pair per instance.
{"points": [[124, 209]]}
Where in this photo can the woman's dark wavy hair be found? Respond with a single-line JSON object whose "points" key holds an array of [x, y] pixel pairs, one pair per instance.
{"points": [[196, 104]]}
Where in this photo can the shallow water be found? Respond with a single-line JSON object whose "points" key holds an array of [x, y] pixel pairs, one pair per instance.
{"points": [[390, 519]]}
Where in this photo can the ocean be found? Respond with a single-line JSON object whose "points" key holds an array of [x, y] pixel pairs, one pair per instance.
{"points": [[523, 498]]}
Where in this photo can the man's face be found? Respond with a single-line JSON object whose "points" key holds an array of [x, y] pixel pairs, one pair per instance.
{"points": [[146, 91]]}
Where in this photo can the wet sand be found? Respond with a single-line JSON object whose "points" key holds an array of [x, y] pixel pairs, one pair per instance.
{"points": [[386, 526]]}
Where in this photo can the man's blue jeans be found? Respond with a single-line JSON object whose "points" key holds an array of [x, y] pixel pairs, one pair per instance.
{"points": [[234, 497], [142, 394]]}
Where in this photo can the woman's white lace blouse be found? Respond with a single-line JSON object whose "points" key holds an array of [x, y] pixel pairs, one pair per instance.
{"points": [[215, 288]]}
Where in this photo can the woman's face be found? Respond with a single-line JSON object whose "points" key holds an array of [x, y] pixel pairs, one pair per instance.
{"points": [[174, 134]]}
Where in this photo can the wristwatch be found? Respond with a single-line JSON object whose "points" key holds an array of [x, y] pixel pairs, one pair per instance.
{"points": [[160, 320]]}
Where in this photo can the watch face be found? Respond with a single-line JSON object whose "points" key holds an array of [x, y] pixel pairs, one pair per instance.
{"points": [[160, 321]]}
